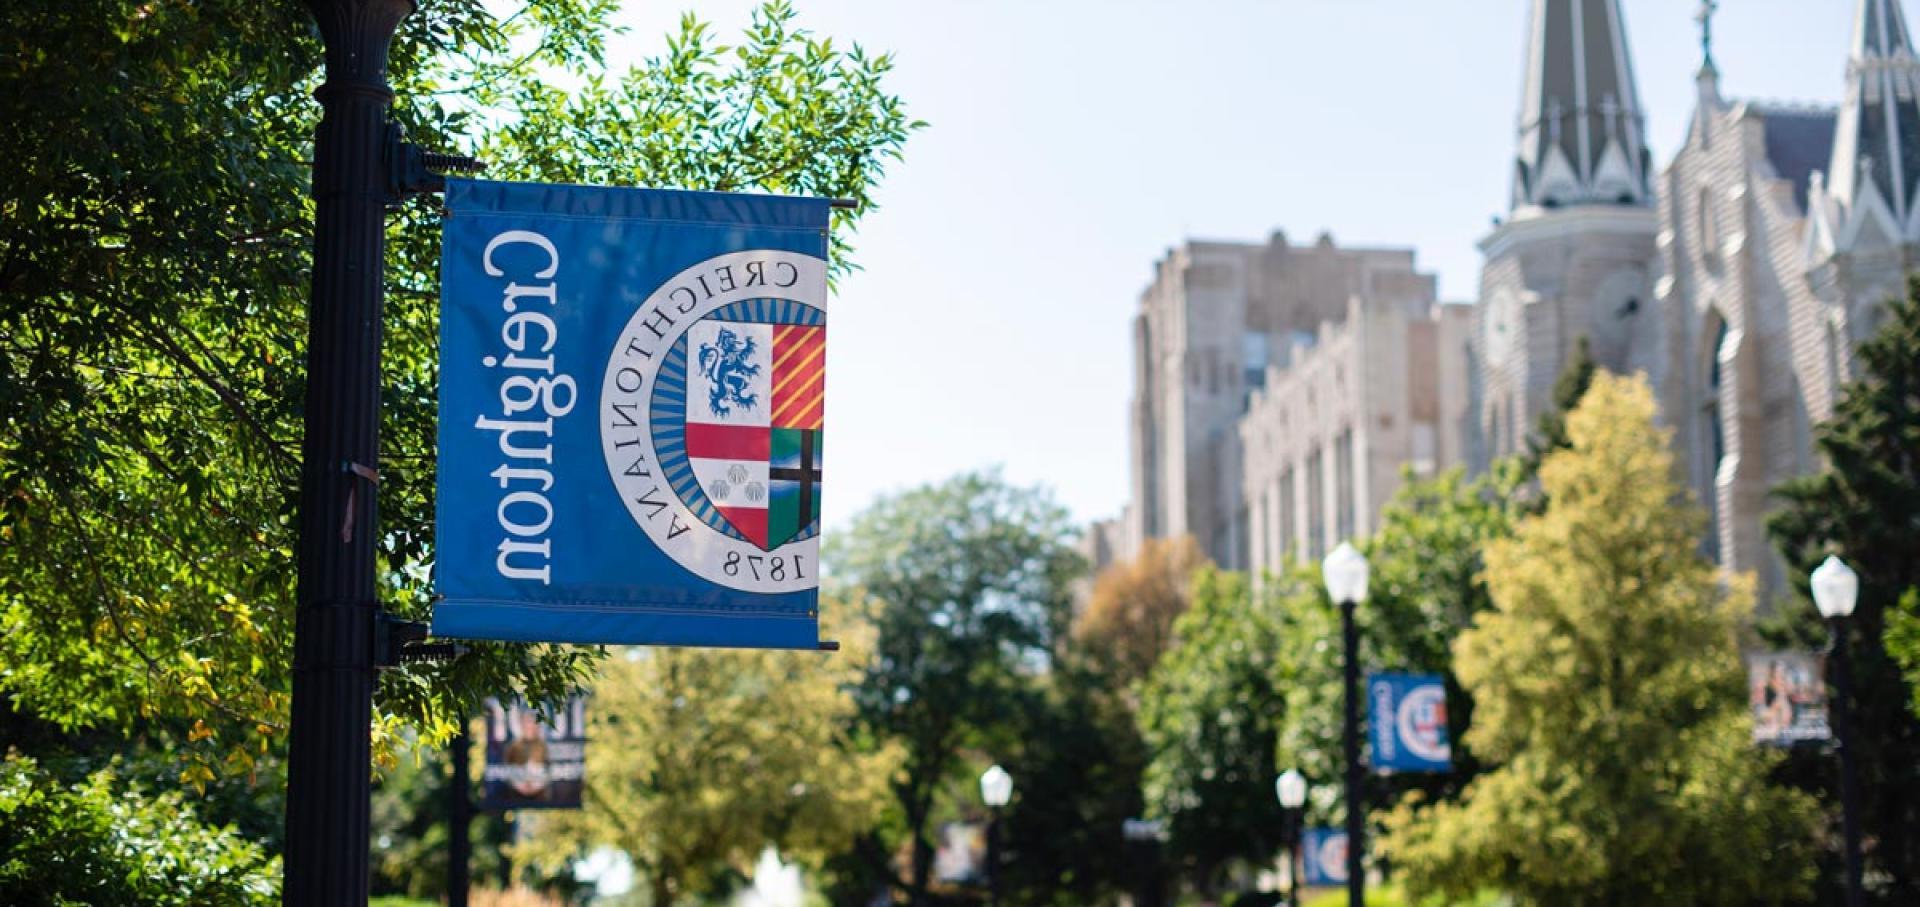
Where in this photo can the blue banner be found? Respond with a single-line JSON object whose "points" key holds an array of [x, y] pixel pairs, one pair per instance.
{"points": [[1325, 853], [1408, 720], [631, 393]]}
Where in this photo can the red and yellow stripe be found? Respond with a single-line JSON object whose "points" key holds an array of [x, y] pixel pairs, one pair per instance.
{"points": [[799, 376]]}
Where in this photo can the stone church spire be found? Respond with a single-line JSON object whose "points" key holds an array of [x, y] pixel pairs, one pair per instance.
{"points": [[1876, 149], [1582, 130]]}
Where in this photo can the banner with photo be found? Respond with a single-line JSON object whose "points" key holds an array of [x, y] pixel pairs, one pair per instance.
{"points": [[960, 854], [1325, 852], [1787, 693], [534, 761], [632, 400], [1408, 720]]}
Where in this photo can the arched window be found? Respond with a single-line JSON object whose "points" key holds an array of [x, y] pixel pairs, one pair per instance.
{"points": [[1709, 226], [1716, 351]]}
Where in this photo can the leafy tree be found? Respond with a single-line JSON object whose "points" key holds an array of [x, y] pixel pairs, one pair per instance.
{"points": [[971, 579], [1128, 621], [1427, 562], [155, 229], [1081, 758], [700, 759], [1610, 692], [1209, 713], [102, 842], [409, 824], [1865, 507]]}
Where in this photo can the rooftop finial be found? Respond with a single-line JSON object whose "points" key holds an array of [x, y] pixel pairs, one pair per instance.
{"points": [[1705, 18]]}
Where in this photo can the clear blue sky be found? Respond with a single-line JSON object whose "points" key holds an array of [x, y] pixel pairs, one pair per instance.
{"points": [[1072, 143]]}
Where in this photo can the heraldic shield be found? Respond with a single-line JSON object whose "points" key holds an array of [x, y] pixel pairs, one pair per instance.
{"points": [[755, 385]]}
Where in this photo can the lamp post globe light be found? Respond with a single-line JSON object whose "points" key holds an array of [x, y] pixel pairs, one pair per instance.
{"points": [[1291, 788], [1345, 573], [996, 788], [1836, 589]]}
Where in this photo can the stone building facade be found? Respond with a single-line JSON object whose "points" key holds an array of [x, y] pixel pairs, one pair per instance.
{"points": [[1324, 441], [1738, 279], [1216, 319]]}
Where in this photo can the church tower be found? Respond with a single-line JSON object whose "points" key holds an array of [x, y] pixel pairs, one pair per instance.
{"points": [[1571, 258], [1864, 217]]}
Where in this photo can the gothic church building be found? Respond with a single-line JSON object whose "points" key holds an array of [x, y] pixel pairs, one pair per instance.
{"points": [[1738, 279]]}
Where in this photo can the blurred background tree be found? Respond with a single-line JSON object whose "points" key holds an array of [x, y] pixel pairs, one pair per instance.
{"points": [[1209, 712], [698, 760], [971, 581], [1610, 695], [1127, 622], [1865, 507]]}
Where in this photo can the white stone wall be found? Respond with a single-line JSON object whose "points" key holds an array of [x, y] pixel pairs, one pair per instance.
{"points": [[1372, 395], [1210, 304]]}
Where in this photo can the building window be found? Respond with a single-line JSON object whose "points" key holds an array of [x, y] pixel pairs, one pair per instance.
{"points": [[1316, 506], [1287, 515], [1708, 223], [1717, 350], [1345, 518], [1260, 533]]}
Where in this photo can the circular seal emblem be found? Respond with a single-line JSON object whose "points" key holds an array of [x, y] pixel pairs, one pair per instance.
{"points": [[711, 413], [1333, 857], [1422, 719]]}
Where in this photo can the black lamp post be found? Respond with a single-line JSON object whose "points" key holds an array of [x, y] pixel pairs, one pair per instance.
{"points": [[335, 623], [1345, 572], [996, 788], [1291, 788], [1836, 588]]}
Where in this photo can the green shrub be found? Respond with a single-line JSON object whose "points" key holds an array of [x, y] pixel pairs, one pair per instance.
{"points": [[101, 842]]}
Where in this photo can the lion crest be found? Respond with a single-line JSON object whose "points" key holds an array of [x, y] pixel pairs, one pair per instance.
{"points": [[727, 362]]}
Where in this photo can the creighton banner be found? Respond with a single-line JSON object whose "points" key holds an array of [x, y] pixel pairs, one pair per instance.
{"points": [[632, 389], [1409, 723], [1324, 851]]}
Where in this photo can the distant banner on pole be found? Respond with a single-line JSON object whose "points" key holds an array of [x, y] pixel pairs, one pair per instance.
{"points": [[1408, 719], [632, 392], [960, 854], [1787, 693], [1325, 853], [534, 762]]}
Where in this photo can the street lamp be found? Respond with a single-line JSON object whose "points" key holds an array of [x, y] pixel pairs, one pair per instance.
{"points": [[1345, 572], [1836, 588], [996, 788], [1291, 788]]}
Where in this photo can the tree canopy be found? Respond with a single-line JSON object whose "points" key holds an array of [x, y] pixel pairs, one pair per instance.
{"points": [[700, 759], [1609, 692], [103, 840], [154, 235], [1128, 619], [971, 580], [1209, 712]]}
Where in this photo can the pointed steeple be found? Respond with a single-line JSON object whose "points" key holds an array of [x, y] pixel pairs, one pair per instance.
{"points": [[1709, 105], [1582, 129], [1876, 149]]}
